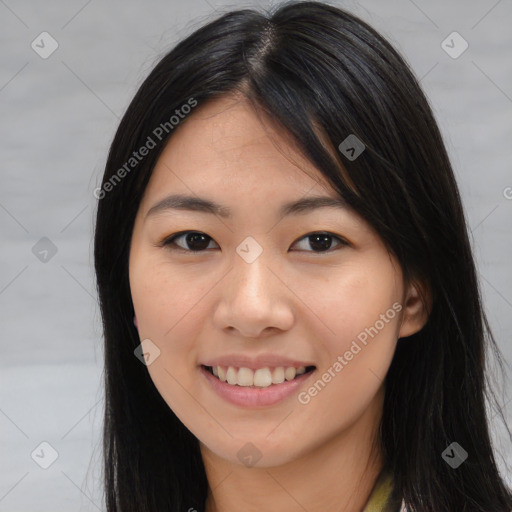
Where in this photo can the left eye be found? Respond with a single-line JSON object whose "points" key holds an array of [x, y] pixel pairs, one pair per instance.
{"points": [[198, 242], [323, 240]]}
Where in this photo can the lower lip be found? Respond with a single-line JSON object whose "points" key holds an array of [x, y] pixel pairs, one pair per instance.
{"points": [[255, 397]]}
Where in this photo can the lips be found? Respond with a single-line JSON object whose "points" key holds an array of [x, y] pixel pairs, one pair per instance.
{"points": [[254, 396]]}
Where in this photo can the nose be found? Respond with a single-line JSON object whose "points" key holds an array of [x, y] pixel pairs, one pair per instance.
{"points": [[255, 301]]}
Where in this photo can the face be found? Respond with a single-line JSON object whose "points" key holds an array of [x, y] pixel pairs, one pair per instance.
{"points": [[300, 309]]}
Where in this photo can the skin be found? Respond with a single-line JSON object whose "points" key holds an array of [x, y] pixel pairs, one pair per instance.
{"points": [[294, 300]]}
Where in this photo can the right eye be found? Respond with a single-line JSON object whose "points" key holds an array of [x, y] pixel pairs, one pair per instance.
{"points": [[195, 241]]}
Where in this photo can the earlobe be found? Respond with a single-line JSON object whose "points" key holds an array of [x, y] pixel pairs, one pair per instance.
{"points": [[416, 310]]}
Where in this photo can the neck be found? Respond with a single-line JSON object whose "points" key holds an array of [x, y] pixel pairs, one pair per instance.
{"points": [[339, 474]]}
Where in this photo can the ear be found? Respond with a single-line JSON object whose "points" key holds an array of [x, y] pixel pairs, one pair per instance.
{"points": [[135, 321], [417, 308]]}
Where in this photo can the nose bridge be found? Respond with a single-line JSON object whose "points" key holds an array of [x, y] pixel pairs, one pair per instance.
{"points": [[251, 279], [253, 299]]}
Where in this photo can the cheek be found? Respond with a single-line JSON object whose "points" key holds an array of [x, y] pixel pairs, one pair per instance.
{"points": [[164, 301], [167, 308], [352, 300], [172, 308], [360, 318]]}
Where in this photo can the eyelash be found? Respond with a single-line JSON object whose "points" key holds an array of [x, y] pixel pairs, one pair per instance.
{"points": [[169, 242]]}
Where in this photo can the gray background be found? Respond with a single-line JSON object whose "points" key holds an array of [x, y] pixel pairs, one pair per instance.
{"points": [[58, 117]]}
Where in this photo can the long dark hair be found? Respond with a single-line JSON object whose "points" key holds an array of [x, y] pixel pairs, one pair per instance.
{"points": [[323, 75]]}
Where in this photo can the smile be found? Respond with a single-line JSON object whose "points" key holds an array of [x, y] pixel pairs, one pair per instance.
{"points": [[260, 378], [263, 387]]}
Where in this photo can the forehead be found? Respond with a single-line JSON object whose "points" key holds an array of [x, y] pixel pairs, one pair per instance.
{"points": [[225, 145]]}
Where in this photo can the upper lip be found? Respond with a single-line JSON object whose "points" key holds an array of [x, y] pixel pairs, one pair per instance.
{"points": [[261, 361]]}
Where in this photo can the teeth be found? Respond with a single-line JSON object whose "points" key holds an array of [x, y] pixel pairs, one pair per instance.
{"points": [[261, 378], [290, 373], [245, 377], [278, 375], [232, 376]]}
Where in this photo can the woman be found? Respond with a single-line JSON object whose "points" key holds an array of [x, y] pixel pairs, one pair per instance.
{"points": [[291, 311]]}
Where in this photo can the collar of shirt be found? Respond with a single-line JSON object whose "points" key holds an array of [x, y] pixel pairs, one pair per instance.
{"points": [[380, 498]]}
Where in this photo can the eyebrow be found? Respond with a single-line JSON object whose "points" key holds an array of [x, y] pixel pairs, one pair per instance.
{"points": [[199, 204]]}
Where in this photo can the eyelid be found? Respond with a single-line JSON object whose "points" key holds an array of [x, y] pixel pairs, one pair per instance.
{"points": [[169, 241]]}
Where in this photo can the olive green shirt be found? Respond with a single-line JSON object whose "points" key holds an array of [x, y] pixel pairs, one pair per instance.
{"points": [[380, 499]]}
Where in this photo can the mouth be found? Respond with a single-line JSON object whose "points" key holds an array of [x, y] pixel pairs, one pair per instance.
{"points": [[261, 378]]}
